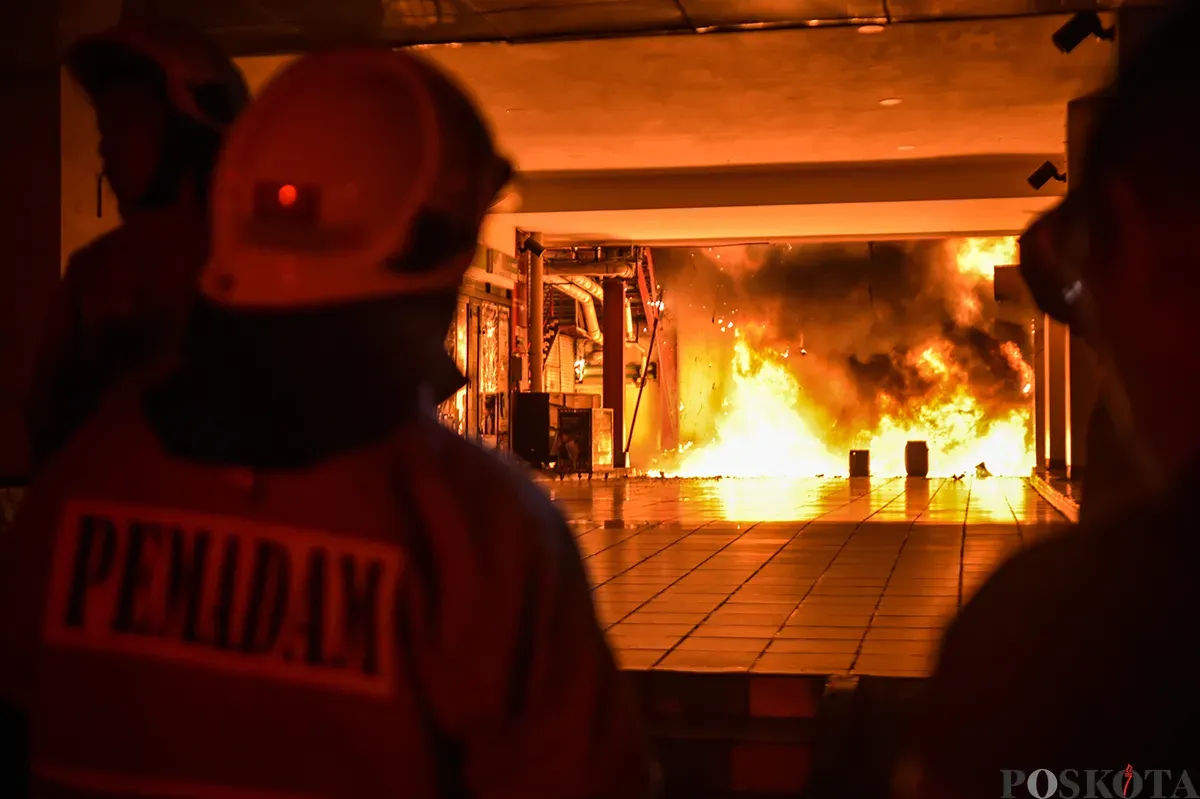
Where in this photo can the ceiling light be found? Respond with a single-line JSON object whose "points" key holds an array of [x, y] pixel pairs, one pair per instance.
{"points": [[890, 102], [871, 29], [906, 147]]}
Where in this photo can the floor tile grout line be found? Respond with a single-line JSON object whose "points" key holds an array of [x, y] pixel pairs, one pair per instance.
{"points": [[892, 572], [642, 527], [824, 571], [653, 554], [804, 525], [687, 573]]}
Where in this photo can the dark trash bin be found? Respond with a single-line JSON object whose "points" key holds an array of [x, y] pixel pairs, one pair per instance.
{"points": [[916, 459], [860, 463]]}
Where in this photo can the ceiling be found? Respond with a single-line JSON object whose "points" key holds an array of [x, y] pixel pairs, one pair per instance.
{"points": [[265, 26], [610, 116], [778, 97]]}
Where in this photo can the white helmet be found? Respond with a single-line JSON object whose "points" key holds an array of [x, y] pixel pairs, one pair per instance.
{"points": [[201, 82], [354, 175]]}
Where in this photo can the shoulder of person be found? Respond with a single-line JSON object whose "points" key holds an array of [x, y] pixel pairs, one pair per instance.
{"points": [[1074, 585], [97, 251], [493, 502], [496, 475], [117, 426], [94, 262]]}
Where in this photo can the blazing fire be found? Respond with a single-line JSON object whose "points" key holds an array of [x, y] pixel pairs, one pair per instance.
{"points": [[770, 424]]}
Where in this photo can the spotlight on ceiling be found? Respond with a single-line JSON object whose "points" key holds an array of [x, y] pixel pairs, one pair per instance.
{"points": [[532, 245], [1079, 28], [869, 29], [1044, 174]]}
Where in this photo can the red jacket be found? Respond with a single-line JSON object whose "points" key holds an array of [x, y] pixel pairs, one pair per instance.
{"points": [[393, 622]]}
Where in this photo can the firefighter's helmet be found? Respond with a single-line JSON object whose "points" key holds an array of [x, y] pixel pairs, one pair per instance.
{"points": [[354, 175], [200, 81]]}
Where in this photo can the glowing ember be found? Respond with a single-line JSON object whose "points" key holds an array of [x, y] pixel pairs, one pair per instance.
{"points": [[768, 425]]}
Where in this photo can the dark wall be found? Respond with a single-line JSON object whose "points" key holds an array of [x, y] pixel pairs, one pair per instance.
{"points": [[30, 222]]}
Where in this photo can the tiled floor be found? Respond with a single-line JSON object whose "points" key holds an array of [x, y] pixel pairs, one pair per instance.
{"points": [[798, 576]]}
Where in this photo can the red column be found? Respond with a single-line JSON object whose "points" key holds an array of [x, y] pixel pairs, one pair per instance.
{"points": [[614, 363]]}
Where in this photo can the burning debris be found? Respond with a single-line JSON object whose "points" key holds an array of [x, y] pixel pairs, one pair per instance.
{"points": [[899, 344]]}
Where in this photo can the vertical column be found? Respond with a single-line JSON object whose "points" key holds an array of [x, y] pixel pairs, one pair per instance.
{"points": [[1133, 23], [30, 174], [1083, 380], [1041, 393], [537, 326], [614, 363], [1081, 373], [1057, 394]]}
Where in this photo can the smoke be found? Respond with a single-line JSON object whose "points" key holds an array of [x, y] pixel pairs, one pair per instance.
{"points": [[867, 330]]}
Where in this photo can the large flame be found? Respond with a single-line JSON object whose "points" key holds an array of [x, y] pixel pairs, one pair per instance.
{"points": [[769, 426]]}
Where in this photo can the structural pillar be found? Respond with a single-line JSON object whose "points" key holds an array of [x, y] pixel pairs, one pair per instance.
{"points": [[537, 321], [614, 363], [1041, 393], [1081, 375], [1058, 395], [1133, 23], [1082, 368], [30, 169]]}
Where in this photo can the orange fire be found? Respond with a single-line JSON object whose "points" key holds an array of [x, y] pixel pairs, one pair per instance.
{"points": [[765, 424]]}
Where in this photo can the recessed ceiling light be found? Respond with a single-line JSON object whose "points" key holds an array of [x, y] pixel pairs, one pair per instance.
{"points": [[906, 147], [871, 29], [889, 102]]}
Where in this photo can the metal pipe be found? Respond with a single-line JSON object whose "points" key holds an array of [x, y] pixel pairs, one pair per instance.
{"points": [[590, 319], [537, 320], [574, 331], [630, 334], [596, 269], [588, 285]]}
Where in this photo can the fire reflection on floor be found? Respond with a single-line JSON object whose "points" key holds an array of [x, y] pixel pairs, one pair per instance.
{"points": [[792, 576]]}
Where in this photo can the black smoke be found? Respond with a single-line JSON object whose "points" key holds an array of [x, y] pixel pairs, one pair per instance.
{"points": [[861, 314]]}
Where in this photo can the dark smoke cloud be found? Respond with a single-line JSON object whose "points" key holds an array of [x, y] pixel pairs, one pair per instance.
{"points": [[862, 313]]}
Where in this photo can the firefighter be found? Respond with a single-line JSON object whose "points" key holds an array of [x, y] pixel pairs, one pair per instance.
{"points": [[267, 570], [163, 98], [1071, 671]]}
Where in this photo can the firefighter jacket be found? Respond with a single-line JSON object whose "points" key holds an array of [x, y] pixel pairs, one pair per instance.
{"points": [[410, 618]]}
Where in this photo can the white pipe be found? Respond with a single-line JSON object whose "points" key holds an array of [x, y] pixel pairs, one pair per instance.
{"points": [[590, 319], [588, 285]]}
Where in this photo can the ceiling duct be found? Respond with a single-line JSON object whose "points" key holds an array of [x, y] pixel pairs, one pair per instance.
{"points": [[590, 318]]}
